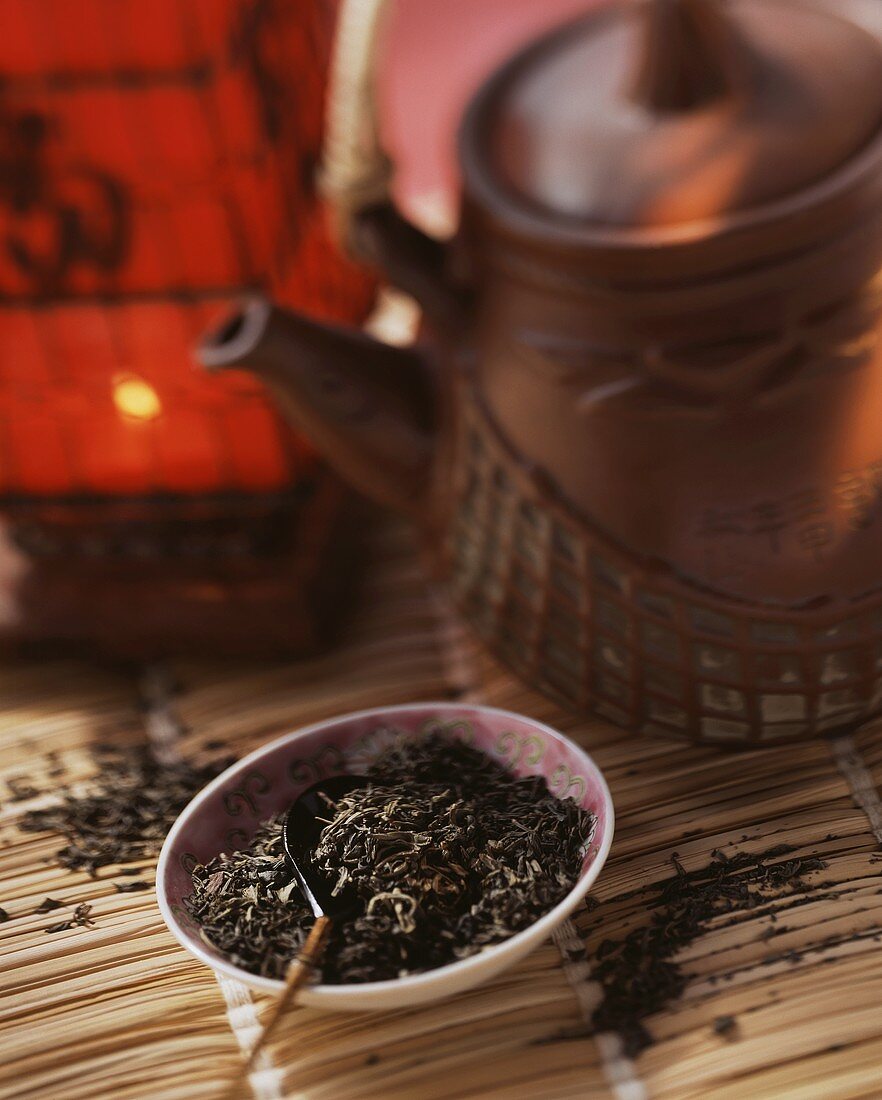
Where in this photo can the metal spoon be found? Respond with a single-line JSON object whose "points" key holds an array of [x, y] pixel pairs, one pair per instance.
{"points": [[301, 829]]}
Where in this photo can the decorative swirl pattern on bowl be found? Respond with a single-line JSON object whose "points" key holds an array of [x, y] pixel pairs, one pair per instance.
{"points": [[515, 748], [308, 770], [565, 784], [245, 797]]}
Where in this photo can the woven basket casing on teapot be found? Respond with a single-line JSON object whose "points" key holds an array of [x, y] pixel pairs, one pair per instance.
{"points": [[645, 442]]}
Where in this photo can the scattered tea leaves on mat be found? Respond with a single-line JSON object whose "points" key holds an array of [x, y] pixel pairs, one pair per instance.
{"points": [[79, 919], [124, 812], [131, 887], [55, 767], [48, 905], [4, 916], [726, 1027], [639, 973], [445, 850], [20, 789]]}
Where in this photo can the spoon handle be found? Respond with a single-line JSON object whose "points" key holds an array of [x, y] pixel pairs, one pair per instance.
{"points": [[298, 973]]}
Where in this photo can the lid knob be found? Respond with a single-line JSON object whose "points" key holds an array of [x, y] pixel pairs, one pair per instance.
{"points": [[732, 105], [691, 53]]}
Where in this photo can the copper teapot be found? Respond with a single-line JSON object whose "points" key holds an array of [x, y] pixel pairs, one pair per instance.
{"points": [[644, 435]]}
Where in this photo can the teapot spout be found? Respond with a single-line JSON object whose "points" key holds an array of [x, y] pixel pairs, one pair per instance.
{"points": [[368, 407]]}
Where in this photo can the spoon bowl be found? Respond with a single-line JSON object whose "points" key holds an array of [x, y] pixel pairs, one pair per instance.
{"points": [[301, 830]]}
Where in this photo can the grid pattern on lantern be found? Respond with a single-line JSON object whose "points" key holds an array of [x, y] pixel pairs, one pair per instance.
{"points": [[581, 621], [66, 430]]}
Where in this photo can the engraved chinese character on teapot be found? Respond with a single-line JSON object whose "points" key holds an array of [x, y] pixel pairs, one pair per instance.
{"points": [[644, 436]]}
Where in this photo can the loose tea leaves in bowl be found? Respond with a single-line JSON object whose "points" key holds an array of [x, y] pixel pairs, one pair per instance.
{"points": [[446, 852]]}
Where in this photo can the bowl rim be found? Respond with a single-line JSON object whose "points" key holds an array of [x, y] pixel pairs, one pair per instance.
{"points": [[330, 993]]}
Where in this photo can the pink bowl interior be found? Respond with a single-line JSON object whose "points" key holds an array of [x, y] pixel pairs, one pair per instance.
{"points": [[229, 813]]}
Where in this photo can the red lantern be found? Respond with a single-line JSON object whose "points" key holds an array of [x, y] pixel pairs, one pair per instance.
{"points": [[156, 159]]}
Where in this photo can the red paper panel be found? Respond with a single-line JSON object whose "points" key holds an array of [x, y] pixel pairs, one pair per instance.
{"points": [[153, 165]]}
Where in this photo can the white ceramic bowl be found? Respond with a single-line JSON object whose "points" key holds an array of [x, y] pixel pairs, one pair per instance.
{"points": [[226, 813]]}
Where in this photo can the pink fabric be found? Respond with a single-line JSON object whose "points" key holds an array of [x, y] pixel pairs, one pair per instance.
{"points": [[436, 53]]}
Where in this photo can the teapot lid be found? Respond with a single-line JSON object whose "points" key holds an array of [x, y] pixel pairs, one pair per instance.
{"points": [[667, 112]]}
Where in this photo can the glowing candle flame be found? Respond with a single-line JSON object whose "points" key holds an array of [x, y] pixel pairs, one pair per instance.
{"points": [[135, 398]]}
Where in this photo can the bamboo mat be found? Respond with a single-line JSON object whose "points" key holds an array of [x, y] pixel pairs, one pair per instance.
{"points": [[119, 1010]]}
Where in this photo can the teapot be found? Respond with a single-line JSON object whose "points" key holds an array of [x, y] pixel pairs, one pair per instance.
{"points": [[642, 435]]}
